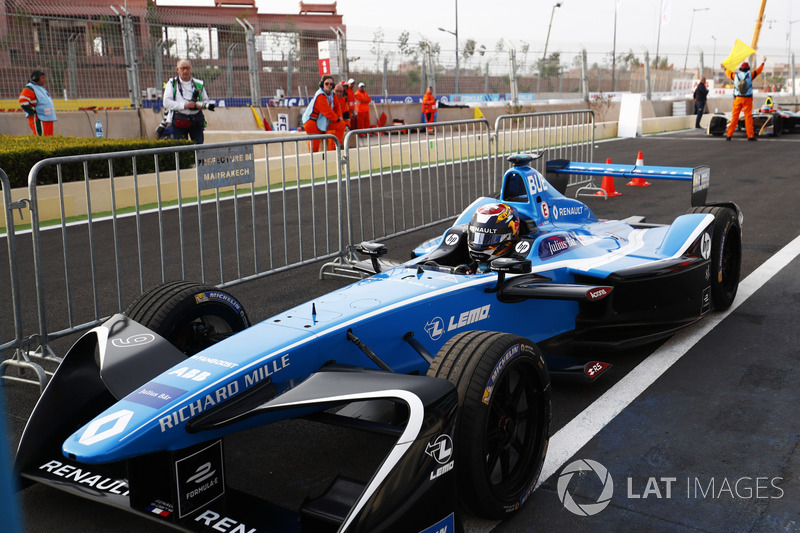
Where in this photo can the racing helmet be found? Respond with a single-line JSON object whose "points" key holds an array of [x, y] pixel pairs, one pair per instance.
{"points": [[493, 231]]}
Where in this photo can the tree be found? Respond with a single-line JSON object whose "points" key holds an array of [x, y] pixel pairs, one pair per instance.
{"points": [[551, 67], [629, 60], [407, 50], [195, 44], [500, 45], [377, 47], [523, 59], [661, 63], [469, 50]]}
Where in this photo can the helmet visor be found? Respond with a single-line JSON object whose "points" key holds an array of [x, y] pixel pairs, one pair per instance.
{"points": [[487, 239]]}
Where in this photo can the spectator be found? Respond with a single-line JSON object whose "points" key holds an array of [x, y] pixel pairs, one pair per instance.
{"points": [[37, 104], [743, 98], [351, 102], [700, 96], [429, 108], [362, 106], [186, 97], [319, 116], [340, 108]]}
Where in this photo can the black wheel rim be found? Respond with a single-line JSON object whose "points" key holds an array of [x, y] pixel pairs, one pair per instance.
{"points": [[514, 425], [199, 330]]}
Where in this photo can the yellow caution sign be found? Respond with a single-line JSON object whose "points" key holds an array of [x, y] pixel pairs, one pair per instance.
{"points": [[477, 113]]}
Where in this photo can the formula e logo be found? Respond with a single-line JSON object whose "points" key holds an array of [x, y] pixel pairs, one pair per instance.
{"points": [[204, 471], [545, 210], [93, 434], [133, 340], [451, 239], [441, 449], [435, 328]]}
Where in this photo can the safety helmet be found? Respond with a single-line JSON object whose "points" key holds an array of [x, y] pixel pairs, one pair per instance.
{"points": [[745, 66], [493, 232]]}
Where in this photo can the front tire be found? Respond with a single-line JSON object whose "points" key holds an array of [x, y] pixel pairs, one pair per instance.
{"points": [[191, 316], [726, 254], [502, 430]]}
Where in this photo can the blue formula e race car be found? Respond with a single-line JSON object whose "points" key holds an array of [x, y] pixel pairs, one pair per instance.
{"points": [[445, 355]]}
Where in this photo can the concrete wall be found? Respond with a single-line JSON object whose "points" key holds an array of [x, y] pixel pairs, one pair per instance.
{"points": [[143, 123]]}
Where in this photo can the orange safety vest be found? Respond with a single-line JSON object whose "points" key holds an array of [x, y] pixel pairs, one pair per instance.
{"points": [[428, 103], [363, 100]]}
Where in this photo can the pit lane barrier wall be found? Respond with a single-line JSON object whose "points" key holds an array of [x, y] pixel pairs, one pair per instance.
{"points": [[87, 248]]}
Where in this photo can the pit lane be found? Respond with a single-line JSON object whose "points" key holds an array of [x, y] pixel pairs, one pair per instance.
{"points": [[723, 411]]}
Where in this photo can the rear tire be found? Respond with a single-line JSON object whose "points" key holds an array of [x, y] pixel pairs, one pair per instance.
{"points": [[502, 430], [726, 254], [189, 315]]}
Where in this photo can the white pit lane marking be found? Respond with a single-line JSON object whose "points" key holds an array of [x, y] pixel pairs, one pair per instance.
{"points": [[573, 436], [568, 440]]}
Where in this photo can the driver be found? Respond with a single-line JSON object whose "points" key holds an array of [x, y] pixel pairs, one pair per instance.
{"points": [[493, 232]]}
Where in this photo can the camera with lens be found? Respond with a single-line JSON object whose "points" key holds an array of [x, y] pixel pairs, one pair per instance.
{"points": [[162, 126], [210, 105]]}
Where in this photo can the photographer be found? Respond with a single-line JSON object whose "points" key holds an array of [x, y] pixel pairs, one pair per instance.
{"points": [[186, 98]]}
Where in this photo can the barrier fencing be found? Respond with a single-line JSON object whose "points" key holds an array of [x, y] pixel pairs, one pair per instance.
{"points": [[87, 248], [84, 55]]}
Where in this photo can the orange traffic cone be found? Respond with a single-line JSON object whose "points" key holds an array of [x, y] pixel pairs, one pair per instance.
{"points": [[608, 185], [639, 182]]}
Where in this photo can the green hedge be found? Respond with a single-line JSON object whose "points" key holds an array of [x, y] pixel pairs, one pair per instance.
{"points": [[18, 154]]}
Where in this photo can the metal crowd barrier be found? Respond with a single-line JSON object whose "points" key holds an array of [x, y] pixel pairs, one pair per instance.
{"points": [[99, 242], [560, 135], [404, 178], [22, 356]]}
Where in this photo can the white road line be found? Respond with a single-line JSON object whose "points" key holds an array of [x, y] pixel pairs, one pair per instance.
{"points": [[573, 436], [568, 440]]}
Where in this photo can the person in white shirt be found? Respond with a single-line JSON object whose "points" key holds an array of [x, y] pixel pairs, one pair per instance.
{"points": [[186, 98]]}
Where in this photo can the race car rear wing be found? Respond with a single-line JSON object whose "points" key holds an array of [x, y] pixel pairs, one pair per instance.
{"points": [[559, 170]]}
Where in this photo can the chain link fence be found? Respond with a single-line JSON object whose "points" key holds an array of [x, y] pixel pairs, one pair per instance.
{"points": [[117, 59]]}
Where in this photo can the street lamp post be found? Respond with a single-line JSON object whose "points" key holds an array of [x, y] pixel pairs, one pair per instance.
{"points": [[789, 51], [714, 59], [455, 33], [694, 10], [546, 41]]}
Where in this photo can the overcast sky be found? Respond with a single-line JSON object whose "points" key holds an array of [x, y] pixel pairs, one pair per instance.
{"points": [[576, 24]]}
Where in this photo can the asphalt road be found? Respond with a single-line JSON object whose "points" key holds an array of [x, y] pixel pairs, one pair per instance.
{"points": [[720, 420]]}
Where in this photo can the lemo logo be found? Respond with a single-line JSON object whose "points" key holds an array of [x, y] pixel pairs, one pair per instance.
{"points": [[587, 509]]}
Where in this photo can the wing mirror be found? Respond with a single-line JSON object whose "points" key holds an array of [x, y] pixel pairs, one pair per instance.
{"points": [[508, 265], [374, 250]]}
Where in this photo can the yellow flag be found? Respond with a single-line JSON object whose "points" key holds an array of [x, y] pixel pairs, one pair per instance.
{"points": [[477, 113], [258, 118], [739, 53]]}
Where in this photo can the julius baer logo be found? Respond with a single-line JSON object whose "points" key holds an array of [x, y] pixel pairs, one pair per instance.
{"points": [[586, 487]]}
